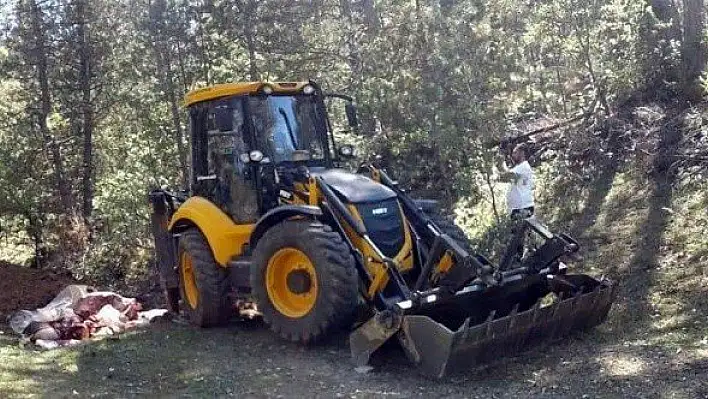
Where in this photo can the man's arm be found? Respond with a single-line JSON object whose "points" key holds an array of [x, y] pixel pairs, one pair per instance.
{"points": [[506, 174]]}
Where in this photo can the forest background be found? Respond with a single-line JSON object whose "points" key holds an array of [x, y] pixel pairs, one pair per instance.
{"points": [[607, 93]]}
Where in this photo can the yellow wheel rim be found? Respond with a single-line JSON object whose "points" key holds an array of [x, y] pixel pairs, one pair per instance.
{"points": [[189, 282], [291, 282]]}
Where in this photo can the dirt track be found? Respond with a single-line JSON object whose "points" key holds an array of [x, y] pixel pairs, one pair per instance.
{"points": [[245, 359]]}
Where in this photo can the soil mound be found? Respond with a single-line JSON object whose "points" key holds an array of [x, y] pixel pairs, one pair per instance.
{"points": [[25, 288]]}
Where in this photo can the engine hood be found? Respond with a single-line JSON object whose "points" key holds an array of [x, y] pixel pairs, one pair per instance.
{"points": [[355, 188]]}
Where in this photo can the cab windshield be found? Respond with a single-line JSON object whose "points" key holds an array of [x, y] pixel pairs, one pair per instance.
{"points": [[286, 124]]}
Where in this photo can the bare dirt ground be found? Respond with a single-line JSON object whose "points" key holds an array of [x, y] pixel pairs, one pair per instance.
{"points": [[245, 360], [25, 288]]}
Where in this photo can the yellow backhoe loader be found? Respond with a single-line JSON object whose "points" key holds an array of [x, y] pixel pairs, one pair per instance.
{"points": [[272, 217]]}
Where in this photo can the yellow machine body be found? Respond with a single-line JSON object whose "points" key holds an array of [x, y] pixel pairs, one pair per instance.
{"points": [[225, 237], [306, 241]]}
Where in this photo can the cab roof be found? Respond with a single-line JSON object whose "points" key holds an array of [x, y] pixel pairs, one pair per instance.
{"points": [[234, 89]]}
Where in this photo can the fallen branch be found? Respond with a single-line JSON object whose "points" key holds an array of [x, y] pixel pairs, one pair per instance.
{"points": [[680, 157], [553, 127], [558, 125], [690, 157]]}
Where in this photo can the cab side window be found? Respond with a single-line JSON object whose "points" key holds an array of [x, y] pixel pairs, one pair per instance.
{"points": [[225, 135], [226, 142]]}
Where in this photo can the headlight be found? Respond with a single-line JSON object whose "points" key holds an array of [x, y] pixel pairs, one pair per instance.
{"points": [[256, 156], [309, 89], [267, 90]]}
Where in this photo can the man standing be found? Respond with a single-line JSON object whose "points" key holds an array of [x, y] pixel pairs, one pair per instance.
{"points": [[519, 200]]}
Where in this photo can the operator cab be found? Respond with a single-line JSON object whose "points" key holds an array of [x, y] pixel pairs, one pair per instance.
{"points": [[248, 139], [289, 128]]}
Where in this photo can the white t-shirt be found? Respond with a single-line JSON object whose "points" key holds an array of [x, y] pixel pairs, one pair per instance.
{"points": [[520, 193]]}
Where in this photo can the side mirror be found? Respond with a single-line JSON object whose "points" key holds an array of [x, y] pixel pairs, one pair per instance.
{"points": [[224, 118], [346, 151], [350, 110]]}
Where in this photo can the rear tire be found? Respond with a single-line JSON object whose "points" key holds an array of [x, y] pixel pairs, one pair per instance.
{"points": [[204, 285], [304, 280]]}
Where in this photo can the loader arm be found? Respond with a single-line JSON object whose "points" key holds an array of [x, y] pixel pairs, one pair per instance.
{"points": [[474, 313], [464, 267]]}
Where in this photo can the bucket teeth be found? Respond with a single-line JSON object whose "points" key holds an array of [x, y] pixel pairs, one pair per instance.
{"points": [[465, 330], [512, 318], [438, 350], [515, 309], [488, 324], [490, 316]]}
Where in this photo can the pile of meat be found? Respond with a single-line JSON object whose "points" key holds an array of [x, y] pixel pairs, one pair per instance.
{"points": [[78, 313]]}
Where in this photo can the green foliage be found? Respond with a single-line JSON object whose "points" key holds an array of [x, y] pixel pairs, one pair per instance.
{"points": [[436, 83]]}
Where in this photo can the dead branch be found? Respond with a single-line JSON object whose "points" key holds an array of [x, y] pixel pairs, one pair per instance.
{"points": [[584, 116]]}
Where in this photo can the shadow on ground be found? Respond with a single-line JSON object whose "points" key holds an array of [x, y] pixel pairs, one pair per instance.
{"points": [[245, 359]]}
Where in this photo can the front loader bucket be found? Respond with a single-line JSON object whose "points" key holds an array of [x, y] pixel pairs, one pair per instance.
{"points": [[438, 350]]}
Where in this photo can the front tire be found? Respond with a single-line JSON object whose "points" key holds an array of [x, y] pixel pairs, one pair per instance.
{"points": [[304, 280], [204, 285]]}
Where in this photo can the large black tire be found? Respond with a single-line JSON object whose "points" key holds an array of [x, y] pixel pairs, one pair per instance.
{"points": [[335, 301], [212, 307]]}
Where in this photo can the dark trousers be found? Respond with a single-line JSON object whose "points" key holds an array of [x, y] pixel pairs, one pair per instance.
{"points": [[522, 213], [515, 249]]}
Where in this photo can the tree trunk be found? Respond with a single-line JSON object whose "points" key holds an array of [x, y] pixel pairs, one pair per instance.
{"points": [[204, 50], [352, 47], [41, 63], [163, 56], [84, 47], [693, 55], [657, 39], [177, 124], [249, 34], [488, 180]]}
